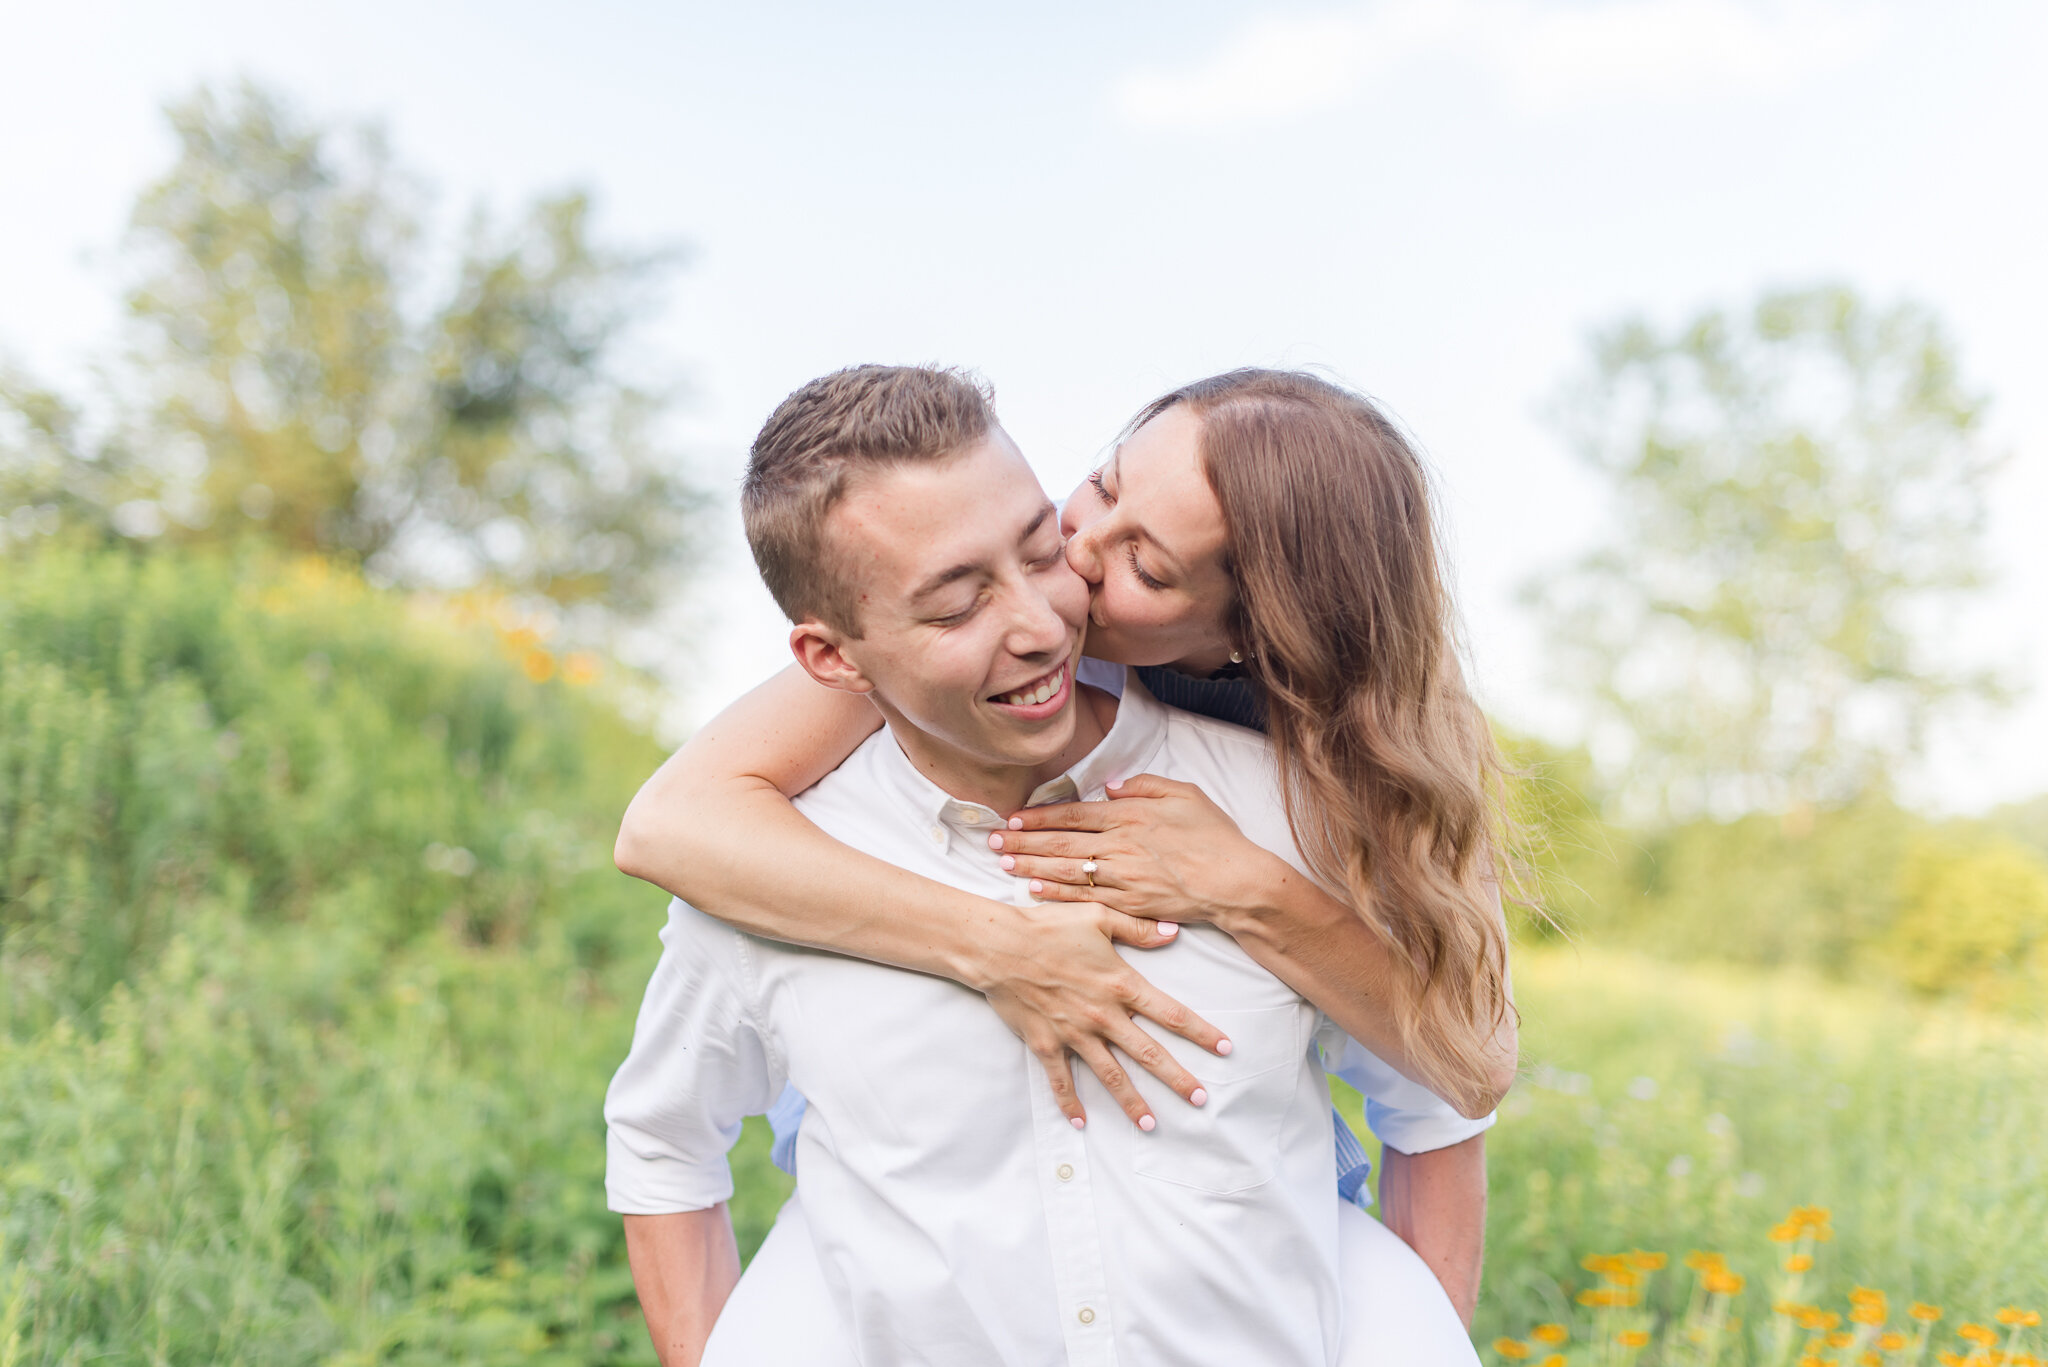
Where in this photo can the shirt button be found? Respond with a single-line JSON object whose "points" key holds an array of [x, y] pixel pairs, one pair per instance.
{"points": [[1086, 1316], [1065, 1171], [971, 815], [938, 832]]}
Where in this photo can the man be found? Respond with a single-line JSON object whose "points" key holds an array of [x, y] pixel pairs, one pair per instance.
{"points": [[954, 1214]]}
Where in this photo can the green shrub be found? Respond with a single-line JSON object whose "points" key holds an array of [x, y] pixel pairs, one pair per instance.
{"points": [[313, 969], [1973, 918]]}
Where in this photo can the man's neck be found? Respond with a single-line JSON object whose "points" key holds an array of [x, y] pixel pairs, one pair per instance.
{"points": [[1002, 787]]}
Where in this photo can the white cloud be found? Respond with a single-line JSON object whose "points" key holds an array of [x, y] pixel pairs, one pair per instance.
{"points": [[1543, 56]]}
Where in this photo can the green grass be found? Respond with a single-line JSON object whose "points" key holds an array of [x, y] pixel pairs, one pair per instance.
{"points": [[313, 969], [1672, 1108]]}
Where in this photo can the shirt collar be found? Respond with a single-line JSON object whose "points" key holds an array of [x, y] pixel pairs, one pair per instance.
{"points": [[1133, 740]]}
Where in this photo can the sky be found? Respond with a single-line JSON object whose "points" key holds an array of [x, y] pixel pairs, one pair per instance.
{"points": [[1437, 202]]}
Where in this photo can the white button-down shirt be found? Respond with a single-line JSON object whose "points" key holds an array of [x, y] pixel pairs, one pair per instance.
{"points": [[958, 1217]]}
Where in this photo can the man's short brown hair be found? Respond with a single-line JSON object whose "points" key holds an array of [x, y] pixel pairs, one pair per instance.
{"points": [[824, 437]]}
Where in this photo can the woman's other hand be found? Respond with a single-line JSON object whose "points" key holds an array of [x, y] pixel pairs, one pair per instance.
{"points": [[1053, 974], [1162, 850]]}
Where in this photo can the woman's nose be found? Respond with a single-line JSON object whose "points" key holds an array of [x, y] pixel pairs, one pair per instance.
{"points": [[1084, 554]]}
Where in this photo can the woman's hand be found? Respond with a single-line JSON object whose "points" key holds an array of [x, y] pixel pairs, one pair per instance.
{"points": [[1053, 974], [1161, 848]]}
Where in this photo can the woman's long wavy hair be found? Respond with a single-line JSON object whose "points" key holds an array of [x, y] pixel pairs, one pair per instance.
{"points": [[1392, 780]]}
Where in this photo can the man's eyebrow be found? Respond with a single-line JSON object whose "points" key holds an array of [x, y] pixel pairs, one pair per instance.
{"points": [[944, 577], [955, 573], [1031, 528]]}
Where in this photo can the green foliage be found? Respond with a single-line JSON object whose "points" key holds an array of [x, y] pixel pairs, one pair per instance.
{"points": [[294, 379], [1798, 490], [1973, 918], [313, 969], [1866, 891], [1674, 1109], [1813, 889]]}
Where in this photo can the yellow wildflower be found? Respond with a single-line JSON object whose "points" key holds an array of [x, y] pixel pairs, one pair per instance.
{"points": [[1925, 1312], [1704, 1262], [1554, 1360], [1868, 1312], [1722, 1283], [1647, 1262], [1841, 1338], [1632, 1338], [1799, 1262], [2018, 1318], [539, 665], [1511, 1348], [1891, 1342], [1550, 1333], [1785, 1233], [1978, 1333]]}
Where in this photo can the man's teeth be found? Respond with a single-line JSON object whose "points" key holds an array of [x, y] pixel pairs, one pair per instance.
{"points": [[1029, 697]]}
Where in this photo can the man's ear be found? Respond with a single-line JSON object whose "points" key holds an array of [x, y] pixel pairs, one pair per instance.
{"points": [[821, 651]]}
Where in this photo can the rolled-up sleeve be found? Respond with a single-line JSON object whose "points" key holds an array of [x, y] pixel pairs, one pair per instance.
{"points": [[1405, 1115], [699, 1065]]}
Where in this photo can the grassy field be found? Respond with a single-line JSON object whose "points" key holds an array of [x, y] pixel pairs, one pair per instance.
{"points": [[1675, 1109], [313, 969]]}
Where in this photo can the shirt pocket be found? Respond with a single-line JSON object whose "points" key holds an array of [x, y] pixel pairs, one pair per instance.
{"points": [[1231, 1143]]}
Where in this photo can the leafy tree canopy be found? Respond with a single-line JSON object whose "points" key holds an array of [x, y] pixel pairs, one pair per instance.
{"points": [[297, 372], [1799, 494]]}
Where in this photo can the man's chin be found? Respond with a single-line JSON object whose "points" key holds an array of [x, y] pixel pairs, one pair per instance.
{"points": [[1045, 742]]}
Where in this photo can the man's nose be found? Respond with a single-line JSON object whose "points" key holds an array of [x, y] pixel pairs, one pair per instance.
{"points": [[1037, 627]]}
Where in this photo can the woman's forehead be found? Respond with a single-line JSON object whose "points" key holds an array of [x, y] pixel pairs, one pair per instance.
{"points": [[1160, 483]]}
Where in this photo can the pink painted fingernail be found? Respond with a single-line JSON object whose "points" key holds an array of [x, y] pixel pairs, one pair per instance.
{"points": [[1037, 886], [1146, 1122], [1079, 1123], [1168, 928], [1223, 1046], [995, 842], [1114, 783], [1016, 823], [1198, 1097], [1007, 862]]}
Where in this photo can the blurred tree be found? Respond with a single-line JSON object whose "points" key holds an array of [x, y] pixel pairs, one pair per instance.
{"points": [[1973, 917], [1798, 494], [292, 378]]}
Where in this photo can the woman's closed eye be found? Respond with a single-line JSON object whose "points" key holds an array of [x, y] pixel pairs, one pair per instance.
{"points": [[1101, 489], [1131, 554]]}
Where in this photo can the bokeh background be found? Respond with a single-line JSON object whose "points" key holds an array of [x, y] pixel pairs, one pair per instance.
{"points": [[373, 389]]}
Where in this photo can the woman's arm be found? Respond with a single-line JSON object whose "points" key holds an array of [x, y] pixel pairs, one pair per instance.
{"points": [[713, 826], [1165, 851]]}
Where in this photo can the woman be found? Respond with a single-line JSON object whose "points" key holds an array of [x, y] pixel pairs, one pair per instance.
{"points": [[1261, 543]]}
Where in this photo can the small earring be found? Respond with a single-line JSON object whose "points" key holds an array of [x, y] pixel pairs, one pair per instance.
{"points": [[1236, 658]]}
